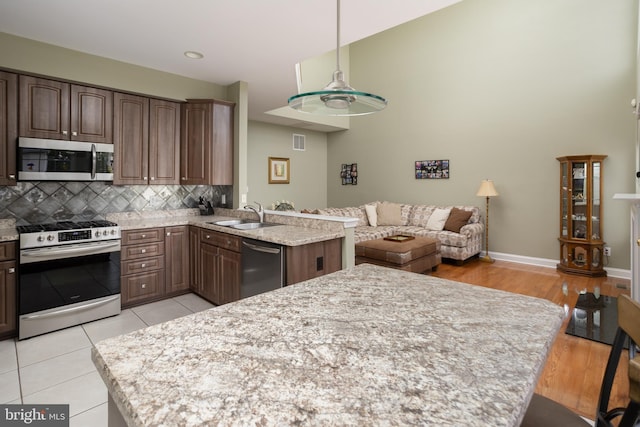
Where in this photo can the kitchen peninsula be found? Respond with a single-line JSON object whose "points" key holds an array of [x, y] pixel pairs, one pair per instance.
{"points": [[364, 345]]}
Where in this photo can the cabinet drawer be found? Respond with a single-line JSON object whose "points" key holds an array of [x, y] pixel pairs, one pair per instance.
{"points": [[142, 251], [142, 265], [141, 286], [222, 240], [148, 235], [7, 251]]}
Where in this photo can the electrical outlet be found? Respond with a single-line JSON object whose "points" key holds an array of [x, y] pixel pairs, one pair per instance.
{"points": [[607, 251]]}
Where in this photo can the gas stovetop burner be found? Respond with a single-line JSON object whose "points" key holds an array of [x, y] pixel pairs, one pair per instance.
{"points": [[64, 225], [66, 232]]}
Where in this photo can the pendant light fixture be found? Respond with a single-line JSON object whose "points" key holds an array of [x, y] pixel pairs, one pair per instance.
{"points": [[337, 98]]}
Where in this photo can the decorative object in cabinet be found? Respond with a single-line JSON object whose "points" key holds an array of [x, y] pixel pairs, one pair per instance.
{"points": [[206, 153], [581, 244], [313, 260], [8, 127], [7, 290], [58, 110], [143, 273]]}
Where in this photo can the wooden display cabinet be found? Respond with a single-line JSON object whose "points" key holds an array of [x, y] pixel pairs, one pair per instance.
{"points": [[581, 244]]}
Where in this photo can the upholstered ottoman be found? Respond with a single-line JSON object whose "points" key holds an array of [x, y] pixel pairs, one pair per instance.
{"points": [[417, 255]]}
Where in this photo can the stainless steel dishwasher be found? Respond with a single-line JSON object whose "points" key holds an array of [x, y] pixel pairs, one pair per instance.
{"points": [[262, 267]]}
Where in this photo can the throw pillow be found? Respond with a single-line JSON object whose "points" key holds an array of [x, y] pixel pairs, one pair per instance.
{"points": [[389, 214], [437, 219], [372, 215], [457, 219]]}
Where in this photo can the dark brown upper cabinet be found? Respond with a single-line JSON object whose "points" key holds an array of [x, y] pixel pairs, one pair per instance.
{"points": [[164, 142], [147, 141], [8, 127], [130, 139], [58, 110], [206, 153]]}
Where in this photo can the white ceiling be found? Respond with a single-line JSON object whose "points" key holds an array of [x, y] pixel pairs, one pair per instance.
{"points": [[256, 41]]}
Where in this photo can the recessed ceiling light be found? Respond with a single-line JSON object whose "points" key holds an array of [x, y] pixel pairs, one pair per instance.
{"points": [[193, 55]]}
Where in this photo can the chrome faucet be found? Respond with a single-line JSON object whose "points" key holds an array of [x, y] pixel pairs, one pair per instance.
{"points": [[259, 211]]}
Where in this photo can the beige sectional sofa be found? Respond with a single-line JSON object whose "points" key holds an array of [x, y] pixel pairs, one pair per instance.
{"points": [[458, 228]]}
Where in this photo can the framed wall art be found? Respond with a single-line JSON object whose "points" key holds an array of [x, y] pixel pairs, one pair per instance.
{"points": [[349, 174], [432, 169], [279, 170]]}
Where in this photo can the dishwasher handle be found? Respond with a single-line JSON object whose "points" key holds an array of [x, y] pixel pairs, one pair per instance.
{"points": [[265, 249]]}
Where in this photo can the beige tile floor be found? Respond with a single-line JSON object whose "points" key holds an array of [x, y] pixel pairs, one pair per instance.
{"points": [[57, 367]]}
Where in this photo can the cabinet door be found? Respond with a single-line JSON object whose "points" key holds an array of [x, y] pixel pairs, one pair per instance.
{"points": [[222, 155], [164, 142], [229, 276], [8, 127], [313, 260], [195, 282], [44, 108], [176, 258], [131, 139], [194, 143], [91, 114], [209, 271], [7, 297], [142, 287]]}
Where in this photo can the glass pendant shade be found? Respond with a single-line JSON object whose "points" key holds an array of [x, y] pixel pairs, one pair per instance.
{"points": [[337, 98]]}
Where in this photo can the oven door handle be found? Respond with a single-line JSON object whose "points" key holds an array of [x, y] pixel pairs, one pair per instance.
{"points": [[88, 250], [72, 309]]}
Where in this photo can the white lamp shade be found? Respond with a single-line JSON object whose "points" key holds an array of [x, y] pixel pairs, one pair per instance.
{"points": [[487, 189]]}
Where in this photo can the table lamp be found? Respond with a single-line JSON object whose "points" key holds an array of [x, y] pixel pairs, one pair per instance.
{"points": [[486, 190]]}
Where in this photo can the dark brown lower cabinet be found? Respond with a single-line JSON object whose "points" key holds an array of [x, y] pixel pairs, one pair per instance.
{"points": [[218, 268], [8, 279], [154, 264], [313, 260], [176, 265]]}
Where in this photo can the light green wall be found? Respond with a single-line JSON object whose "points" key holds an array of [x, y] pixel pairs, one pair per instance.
{"points": [[500, 88], [307, 188], [31, 56]]}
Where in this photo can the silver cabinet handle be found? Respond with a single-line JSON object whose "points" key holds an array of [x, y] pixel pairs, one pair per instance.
{"points": [[64, 132], [74, 133], [12, 270], [143, 265], [168, 233], [12, 177], [144, 285], [143, 251]]}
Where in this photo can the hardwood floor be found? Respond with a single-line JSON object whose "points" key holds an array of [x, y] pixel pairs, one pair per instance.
{"points": [[574, 369]]}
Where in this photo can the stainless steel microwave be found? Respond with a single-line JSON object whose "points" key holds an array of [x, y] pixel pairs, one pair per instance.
{"points": [[55, 160]]}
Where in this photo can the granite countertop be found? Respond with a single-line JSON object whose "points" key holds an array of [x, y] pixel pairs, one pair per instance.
{"points": [[283, 234], [365, 345]]}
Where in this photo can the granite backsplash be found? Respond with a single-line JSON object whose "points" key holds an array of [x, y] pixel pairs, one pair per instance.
{"points": [[42, 202]]}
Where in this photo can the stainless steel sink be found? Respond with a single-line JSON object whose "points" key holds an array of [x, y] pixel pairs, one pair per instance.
{"points": [[229, 222], [252, 225]]}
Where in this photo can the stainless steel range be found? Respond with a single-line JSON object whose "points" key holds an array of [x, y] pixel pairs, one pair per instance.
{"points": [[69, 274]]}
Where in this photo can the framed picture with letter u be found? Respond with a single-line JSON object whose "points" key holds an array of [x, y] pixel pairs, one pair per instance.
{"points": [[279, 170]]}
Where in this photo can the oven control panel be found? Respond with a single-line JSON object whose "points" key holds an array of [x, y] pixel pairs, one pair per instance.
{"points": [[70, 236]]}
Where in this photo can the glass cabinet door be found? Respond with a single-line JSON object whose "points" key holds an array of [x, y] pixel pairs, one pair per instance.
{"points": [[579, 198], [564, 199], [595, 203]]}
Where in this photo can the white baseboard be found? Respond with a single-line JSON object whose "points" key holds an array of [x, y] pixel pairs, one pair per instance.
{"points": [[551, 263]]}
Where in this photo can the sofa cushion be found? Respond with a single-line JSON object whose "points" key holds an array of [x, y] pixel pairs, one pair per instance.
{"points": [[372, 214], [420, 215], [389, 213], [457, 219], [437, 219]]}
